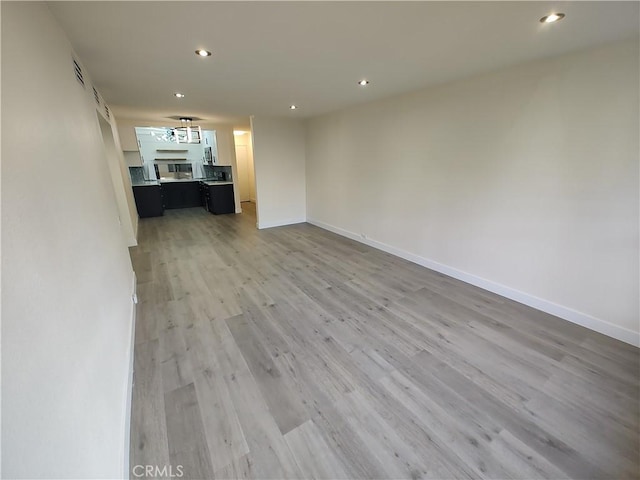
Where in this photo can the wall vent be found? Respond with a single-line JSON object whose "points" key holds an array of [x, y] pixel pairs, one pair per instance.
{"points": [[78, 71], [96, 96]]}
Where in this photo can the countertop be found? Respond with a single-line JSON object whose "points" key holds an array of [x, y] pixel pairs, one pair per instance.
{"points": [[216, 182], [147, 183], [179, 180]]}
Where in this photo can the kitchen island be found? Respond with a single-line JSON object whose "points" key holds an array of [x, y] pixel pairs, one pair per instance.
{"points": [[181, 193], [217, 197], [154, 196], [148, 197]]}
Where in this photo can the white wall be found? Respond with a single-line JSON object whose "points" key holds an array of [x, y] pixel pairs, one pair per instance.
{"points": [[152, 149], [121, 181], [127, 134], [279, 162], [132, 158], [67, 278], [524, 182], [117, 162]]}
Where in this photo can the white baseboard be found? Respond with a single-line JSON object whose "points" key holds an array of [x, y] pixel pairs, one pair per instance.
{"points": [[129, 392], [135, 229], [592, 323], [280, 223]]}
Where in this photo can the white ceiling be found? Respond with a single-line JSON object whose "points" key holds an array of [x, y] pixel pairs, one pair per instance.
{"points": [[268, 55]]}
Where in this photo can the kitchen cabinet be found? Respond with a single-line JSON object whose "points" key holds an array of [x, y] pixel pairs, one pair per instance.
{"points": [[204, 195], [181, 194], [210, 147], [221, 199], [148, 200]]}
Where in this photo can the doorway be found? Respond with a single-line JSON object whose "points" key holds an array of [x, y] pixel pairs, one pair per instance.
{"points": [[244, 162], [242, 158], [123, 196]]}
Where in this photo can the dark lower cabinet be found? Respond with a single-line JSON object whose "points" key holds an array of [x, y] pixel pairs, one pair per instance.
{"points": [[218, 199], [151, 200], [204, 195], [148, 200], [181, 195], [221, 199]]}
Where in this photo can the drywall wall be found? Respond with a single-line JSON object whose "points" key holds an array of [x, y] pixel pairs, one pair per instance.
{"points": [[132, 158], [131, 231], [117, 163], [523, 181], [67, 311], [127, 214], [127, 134], [279, 163]]}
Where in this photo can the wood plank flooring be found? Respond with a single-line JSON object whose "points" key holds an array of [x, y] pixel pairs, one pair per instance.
{"points": [[295, 353]]}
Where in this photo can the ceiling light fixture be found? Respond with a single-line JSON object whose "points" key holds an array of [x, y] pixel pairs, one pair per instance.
{"points": [[179, 95], [363, 83], [292, 107], [185, 132], [186, 126], [553, 17], [239, 132], [203, 53]]}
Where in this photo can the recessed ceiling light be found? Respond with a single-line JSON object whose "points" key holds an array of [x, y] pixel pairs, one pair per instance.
{"points": [[363, 83], [553, 17], [292, 107], [179, 95], [203, 53], [239, 132]]}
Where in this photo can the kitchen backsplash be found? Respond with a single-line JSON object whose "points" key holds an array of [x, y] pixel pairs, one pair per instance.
{"points": [[137, 175], [217, 172], [208, 171], [222, 173]]}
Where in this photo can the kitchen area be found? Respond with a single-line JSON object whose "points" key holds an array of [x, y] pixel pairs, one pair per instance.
{"points": [[178, 167]]}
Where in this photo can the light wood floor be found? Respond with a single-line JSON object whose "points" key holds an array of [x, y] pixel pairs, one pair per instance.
{"points": [[295, 353]]}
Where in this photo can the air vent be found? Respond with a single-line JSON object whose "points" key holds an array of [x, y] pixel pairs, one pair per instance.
{"points": [[106, 111], [96, 96], [78, 72]]}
